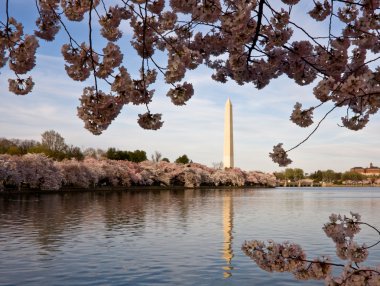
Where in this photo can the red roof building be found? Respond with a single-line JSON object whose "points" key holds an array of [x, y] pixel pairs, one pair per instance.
{"points": [[371, 171]]}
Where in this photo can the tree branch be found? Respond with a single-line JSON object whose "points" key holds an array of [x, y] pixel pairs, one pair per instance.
{"points": [[312, 132], [90, 40], [258, 27]]}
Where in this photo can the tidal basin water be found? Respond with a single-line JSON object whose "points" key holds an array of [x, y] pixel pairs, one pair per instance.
{"points": [[168, 237]]}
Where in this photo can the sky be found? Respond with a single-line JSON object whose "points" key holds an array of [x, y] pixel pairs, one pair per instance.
{"points": [[261, 117]]}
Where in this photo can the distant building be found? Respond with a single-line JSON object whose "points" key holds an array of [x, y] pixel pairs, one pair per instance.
{"points": [[371, 171]]}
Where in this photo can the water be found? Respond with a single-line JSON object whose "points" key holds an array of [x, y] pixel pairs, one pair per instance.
{"points": [[178, 237]]}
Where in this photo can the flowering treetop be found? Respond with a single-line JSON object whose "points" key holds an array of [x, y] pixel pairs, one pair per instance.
{"points": [[252, 41]]}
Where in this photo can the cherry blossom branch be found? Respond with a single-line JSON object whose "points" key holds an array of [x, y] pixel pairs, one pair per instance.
{"points": [[97, 13], [371, 226], [305, 60], [330, 23], [163, 37], [144, 49], [104, 6], [90, 43], [258, 27], [71, 38], [350, 2], [375, 229], [324, 117], [290, 257], [7, 22], [315, 262], [312, 38], [314, 130]]}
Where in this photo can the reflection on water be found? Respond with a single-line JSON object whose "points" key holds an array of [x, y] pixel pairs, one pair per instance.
{"points": [[178, 237], [228, 253]]}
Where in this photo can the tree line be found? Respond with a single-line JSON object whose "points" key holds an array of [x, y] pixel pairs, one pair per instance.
{"points": [[37, 171], [53, 145], [327, 176]]}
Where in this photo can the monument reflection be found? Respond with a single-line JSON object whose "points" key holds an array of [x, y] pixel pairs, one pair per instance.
{"points": [[227, 234]]}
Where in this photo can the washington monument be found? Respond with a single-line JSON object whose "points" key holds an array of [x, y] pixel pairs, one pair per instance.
{"points": [[228, 160]]}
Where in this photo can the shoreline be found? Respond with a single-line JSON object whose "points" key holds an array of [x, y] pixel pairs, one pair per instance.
{"points": [[162, 188], [124, 189], [332, 186]]}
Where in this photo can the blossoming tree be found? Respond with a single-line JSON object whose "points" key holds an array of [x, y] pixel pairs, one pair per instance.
{"points": [[252, 41], [37, 171], [290, 257]]}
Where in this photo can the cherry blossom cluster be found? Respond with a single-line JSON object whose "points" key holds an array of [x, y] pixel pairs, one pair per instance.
{"points": [[21, 86], [289, 257], [244, 41], [19, 50], [48, 24], [342, 231], [181, 93], [37, 171], [80, 61], [280, 156], [75, 10], [112, 58], [302, 118], [150, 121], [110, 22], [134, 91], [286, 257], [98, 109]]}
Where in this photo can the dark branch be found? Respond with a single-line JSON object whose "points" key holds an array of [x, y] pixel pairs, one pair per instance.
{"points": [[90, 40], [258, 27]]}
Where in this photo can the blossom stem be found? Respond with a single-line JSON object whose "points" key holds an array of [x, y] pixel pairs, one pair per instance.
{"points": [[90, 42], [314, 130]]}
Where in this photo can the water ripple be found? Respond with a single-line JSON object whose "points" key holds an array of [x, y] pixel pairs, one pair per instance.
{"points": [[190, 237]]}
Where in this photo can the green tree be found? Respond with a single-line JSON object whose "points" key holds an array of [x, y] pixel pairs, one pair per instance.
{"points": [[182, 159], [39, 149], [137, 156], [14, 150], [328, 176], [24, 145], [289, 174], [114, 154], [316, 176], [353, 176], [74, 152], [298, 174], [5, 144], [133, 156], [111, 153], [279, 175]]}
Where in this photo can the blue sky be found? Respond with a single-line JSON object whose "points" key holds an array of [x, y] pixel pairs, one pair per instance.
{"points": [[261, 117]]}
